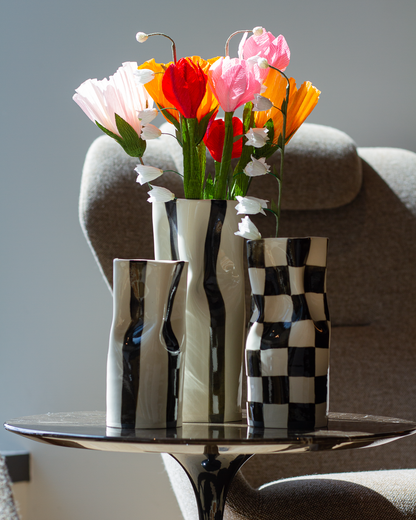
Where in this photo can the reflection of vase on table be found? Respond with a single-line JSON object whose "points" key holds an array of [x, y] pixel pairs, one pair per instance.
{"points": [[147, 340], [287, 349], [202, 233]]}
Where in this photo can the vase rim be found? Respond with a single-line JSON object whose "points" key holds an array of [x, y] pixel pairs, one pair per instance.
{"points": [[149, 260], [278, 239]]}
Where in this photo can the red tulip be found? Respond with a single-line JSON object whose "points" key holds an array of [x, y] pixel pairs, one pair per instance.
{"points": [[184, 85], [214, 138]]}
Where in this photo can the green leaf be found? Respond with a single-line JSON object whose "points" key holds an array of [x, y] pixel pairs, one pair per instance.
{"points": [[237, 138], [283, 107], [109, 133], [209, 188], [238, 191], [274, 207], [169, 117], [248, 117], [132, 144], [202, 126], [270, 127]]}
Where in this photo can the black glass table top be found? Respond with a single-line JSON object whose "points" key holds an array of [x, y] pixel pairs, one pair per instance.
{"points": [[88, 430]]}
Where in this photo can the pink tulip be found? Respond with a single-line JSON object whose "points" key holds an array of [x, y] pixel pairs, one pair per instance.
{"points": [[101, 100], [275, 50], [233, 82]]}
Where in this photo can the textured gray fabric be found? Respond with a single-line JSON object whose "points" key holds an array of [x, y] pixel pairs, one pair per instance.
{"points": [[371, 283], [7, 506], [378, 495], [365, 495]]}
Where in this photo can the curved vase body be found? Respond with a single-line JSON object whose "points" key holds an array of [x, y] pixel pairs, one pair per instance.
{"points": [[287, 347], [202, 233], [147, 340]]}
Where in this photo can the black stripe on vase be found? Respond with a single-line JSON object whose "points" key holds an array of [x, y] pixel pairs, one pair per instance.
{"points": [[297, 251], [174, 355], [173, 228], [132, 345], [217, 312], [255, 253]]}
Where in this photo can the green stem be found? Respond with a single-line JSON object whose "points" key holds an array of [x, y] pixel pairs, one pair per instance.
{"points": [[220, 192], [191, 163], [277, 216]]}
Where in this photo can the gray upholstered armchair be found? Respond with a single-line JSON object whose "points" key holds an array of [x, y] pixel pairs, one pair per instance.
{"points": [[365, 201], [8, 510]]}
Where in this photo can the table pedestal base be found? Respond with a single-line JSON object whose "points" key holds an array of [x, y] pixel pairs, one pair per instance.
{"points": [[211, 475]]}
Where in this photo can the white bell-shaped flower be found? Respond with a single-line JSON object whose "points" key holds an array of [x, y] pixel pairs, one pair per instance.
{"points": [[147, 173], [256, 167], [250, 205], [247, 229], [159, 194]]}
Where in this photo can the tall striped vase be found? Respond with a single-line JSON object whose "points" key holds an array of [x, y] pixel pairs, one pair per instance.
{"points": [[147, 342], [287, 347], [202, 233]]}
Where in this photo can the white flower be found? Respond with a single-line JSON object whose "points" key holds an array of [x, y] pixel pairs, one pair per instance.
{"points": [[141, 37], [256, 167], [158, 194], [258, 31], [250, 205], [143, 76], [261, 103], [146, 115], [118, 94], [147, 173], [247, 229], [150, 132], [257, 137]]}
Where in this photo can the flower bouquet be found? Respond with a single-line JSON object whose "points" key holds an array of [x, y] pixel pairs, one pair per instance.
{"points": [[201, 229], [189, 93]]}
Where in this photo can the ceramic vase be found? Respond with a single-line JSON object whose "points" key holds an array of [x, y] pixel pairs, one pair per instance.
{"points": [[147, 342], [287, 347], [202, 233]]}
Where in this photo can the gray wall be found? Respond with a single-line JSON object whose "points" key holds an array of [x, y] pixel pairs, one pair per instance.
{"points": [[55, 308]]}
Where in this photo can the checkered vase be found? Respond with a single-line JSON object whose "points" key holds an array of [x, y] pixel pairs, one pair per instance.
{"points": [[287, 347]]}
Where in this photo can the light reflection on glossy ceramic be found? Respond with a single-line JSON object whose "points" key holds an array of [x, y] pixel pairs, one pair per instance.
{"points": [[147, 342], [202, 233]]}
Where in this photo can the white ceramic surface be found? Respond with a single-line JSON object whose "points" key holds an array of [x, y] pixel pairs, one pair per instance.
{"points": [[215, 315], [147, 342]]}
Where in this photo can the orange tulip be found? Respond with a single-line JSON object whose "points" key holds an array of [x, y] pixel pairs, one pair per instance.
{"points": [[301, 103], [154, 87]]}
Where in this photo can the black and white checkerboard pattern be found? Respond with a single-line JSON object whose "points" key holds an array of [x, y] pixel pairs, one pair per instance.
{"points": [[287, 348]]}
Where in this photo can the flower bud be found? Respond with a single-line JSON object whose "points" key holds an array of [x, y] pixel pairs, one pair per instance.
{"points": [[141, 37], [263, 63], [258, 31]]}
